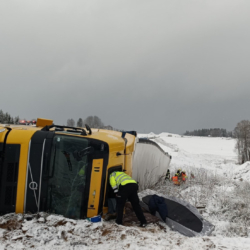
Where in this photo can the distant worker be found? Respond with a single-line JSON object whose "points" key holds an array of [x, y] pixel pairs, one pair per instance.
{"points": [[176, 180], [180, 175], [126, 188], [179, 172], [167, 177], [183, 176]]}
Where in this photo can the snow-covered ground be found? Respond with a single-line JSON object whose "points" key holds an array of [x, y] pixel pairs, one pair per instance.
{"points": [[220, 188]]}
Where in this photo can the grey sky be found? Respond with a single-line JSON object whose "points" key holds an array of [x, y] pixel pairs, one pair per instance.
{"points": [[160, 66]]}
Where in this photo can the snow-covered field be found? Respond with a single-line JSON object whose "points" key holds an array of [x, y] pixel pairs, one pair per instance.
{"points": [[220, 188]]}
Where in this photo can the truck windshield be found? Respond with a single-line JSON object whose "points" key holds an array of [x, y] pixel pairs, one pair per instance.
{"points": [[67, 175]]}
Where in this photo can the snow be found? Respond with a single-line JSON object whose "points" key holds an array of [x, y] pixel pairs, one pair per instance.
{"points": [[220, 187]]}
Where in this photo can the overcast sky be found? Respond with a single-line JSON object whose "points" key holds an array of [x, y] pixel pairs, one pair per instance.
{"points": [[151, 66]]}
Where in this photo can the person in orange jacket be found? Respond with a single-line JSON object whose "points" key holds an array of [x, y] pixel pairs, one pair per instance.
{"points": [[176, 180], [179, 177], [183, 176]]}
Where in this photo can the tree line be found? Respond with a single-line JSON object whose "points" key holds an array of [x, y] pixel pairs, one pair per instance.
{"points": [[213, 132], [92, 121], [6, 118]]}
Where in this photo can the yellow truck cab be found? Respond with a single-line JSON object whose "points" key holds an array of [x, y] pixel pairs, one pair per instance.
{"points": [[59, 169]]}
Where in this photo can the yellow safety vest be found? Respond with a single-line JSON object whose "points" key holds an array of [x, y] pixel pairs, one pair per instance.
{"points": [[82, 171], [119, 178]]}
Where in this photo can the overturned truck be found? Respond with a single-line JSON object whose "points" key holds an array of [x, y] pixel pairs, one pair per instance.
{"points": [[65, 170], [60, 169]]}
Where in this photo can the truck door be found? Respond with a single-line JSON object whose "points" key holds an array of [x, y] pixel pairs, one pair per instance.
{"points": [[39, 153]]}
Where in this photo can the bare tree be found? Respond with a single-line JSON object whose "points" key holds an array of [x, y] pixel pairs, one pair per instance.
{"points": [[16, 120], [242, 135], [71, 122], [79, 122], [89, 121], [1, 116], [97, 122], [7, 118], [93, 122]]}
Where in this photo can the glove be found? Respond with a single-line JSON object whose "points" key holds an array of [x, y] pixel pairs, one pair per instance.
{"points": [[118, 195]]}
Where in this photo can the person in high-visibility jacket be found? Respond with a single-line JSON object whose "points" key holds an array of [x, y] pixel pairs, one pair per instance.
{"points": [[183, 176], [178, 173], [167, 177], [126, 188], [176, 180]]}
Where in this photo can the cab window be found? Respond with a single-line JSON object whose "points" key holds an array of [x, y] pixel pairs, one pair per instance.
{"points": [[67, 175]]}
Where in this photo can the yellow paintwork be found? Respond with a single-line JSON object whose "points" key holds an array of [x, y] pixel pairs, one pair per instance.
{"points": [[43, 122], [21, 134], [23, 138], [95, 187], [130, 147]]}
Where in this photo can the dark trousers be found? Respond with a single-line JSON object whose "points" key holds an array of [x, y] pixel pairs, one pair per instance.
{"points": [[129, 191]]}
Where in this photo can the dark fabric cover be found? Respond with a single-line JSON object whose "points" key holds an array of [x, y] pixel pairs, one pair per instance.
{"points": [[180, 213], [157, 203]]}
